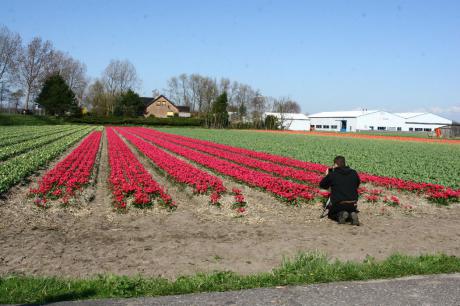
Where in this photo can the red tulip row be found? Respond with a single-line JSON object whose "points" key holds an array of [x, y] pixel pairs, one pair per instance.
{"points": [[179, 170], [129, 178], [259, 155], [434, 192], [267, 166], [69, 175], [287, 190]]}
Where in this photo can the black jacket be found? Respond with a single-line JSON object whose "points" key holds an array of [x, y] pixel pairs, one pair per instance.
{"points": [[344, 183]]}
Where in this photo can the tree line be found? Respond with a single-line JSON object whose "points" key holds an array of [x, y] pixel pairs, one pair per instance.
{"points": [[202, 93], [25, 69]]}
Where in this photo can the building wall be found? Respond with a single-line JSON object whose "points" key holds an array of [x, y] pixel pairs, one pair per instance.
{"points": [[419, 127], [297, 125], [332, 124], [380, 121], [161, 108], [184, 115]]}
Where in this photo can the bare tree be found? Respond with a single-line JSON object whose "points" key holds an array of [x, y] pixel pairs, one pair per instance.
{"points": [[119, 76], [15, 97], [258, 108], [283, 106], [71, 70], [33, 66], [286, 105], [10, 47], [98, 99]]}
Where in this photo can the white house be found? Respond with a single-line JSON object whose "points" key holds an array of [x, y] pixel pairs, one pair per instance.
{"points": [[351, 121], [426, 122], [292, 121]]}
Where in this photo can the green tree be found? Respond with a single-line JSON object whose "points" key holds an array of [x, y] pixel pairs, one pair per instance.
{"points": [[129, 104], [219, 114], [57, 98], [272, 123]]}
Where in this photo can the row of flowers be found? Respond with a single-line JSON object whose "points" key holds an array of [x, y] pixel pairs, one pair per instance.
{"points": [[434, 192], [267, 166], [285, 189], [69, 175], [180, 171], [129, 180]]}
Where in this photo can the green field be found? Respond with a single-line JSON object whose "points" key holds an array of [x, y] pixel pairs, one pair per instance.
{"points": [[421, 162], [28, 148]]}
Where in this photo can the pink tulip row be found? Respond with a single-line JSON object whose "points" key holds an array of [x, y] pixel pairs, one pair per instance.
{"points": [[285, 189], [284, 171], [129, 179], [433, 192], [69, 175], [179, 170]]}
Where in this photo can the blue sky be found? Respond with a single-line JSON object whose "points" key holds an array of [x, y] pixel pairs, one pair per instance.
{"points": [[327, 55]]}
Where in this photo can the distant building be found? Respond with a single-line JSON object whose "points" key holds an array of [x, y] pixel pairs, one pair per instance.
{"points": [[423, 122], [291, 121], [375, 120], [162, 107]]}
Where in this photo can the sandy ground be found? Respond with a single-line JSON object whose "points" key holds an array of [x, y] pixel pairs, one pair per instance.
{"points": [[90, 238]]}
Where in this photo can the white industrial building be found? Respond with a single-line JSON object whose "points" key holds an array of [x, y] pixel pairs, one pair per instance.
{"points": [[292, 121], [375, 120], [426, 122]]}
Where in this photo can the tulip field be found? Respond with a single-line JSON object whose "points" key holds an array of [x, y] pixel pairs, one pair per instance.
{"points": [[80, 200], [203, 165]]}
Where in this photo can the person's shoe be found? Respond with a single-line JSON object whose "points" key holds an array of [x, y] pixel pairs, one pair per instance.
{"points": [[343, 216], [354, 218]]}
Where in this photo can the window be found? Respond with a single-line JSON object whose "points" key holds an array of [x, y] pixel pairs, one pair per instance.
{"points": [[399, 128], [325, 126], [334, 127], [158, 103], [371, 128], [381, 128], [164, 103], [427, 130], [318, 126], [418, 129], [411, 129]]}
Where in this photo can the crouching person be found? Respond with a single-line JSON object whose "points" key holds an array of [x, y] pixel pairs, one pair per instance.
{"points": [[343, 182]]}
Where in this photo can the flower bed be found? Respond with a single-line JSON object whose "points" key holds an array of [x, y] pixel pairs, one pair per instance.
{"points": [[179, 170], [129, 180], [69, 175], [284, 189], [433, 192], [284, 171]]}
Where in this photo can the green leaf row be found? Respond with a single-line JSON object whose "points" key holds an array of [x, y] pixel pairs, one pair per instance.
{"points": [[15, 169], [25, 135], [18, 148]]}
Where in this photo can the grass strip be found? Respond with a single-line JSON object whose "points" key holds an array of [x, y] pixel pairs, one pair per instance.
{"points": [[305, 268]]}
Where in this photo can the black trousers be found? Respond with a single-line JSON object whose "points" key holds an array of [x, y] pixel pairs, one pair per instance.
{"points": [[336, 209]]}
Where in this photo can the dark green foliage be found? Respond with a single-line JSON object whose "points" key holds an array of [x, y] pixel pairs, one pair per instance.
{"points": [[129, 104], [15, 119], [57, 98], [218, 117], [138, 121], [305, 268], [272, 123]]}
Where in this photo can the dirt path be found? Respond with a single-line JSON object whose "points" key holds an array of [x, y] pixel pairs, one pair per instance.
{"points": [[92, 238]]}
